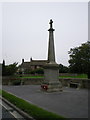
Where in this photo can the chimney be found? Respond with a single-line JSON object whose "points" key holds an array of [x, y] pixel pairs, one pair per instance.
{"points": [[22, 60]]}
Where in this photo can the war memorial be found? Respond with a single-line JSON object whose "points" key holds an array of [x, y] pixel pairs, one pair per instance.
{"points": [[51, 69], [51, 94]]}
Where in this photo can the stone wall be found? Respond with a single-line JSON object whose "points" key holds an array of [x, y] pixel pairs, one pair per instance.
{"points": [[26, 81], [83, 83], [60, 74]]}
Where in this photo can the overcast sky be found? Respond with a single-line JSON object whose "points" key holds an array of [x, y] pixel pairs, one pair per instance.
{"points": [[25, 29]]}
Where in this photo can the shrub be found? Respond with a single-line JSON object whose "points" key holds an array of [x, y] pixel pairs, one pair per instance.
{"points": [[39, 71], [16, 82]]}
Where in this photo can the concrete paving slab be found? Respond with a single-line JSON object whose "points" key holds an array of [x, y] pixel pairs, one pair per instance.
{"points": [[71, 103]]}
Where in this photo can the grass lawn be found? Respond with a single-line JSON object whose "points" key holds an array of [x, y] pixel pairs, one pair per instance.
{"points": [[34, 111], [31, 77], [78, 76]]}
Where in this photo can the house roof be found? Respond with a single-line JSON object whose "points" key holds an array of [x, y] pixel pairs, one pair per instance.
{"points": [[33, 63], [38, 62]]}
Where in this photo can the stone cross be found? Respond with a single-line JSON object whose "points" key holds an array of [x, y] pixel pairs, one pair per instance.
{"points": [[51, 23]]}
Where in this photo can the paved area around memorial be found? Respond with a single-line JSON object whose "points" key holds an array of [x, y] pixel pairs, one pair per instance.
{"points": [[71, 103]]}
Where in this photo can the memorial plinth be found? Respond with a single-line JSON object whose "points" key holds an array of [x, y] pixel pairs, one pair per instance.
{"points": [[51, 69]]}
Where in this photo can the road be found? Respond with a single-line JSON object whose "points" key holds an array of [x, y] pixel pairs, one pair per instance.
{"points": [[71, 103]]}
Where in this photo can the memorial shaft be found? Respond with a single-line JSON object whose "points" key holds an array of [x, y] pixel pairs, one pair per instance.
{"points": [[51, 51]]}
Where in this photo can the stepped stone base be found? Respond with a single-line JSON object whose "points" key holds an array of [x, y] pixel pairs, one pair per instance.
{"points": [[51, 78], [51, 87]]}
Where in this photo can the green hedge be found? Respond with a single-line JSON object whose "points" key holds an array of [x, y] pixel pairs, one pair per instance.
{"points": [[34, 111]]}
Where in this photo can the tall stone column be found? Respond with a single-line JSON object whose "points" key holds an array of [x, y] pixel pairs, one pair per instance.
{"points": [[51, 51], [51, 69]]}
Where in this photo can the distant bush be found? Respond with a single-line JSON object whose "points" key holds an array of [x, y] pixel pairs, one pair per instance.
{"points": [[32, 72], [16, 82], [37, 71]]}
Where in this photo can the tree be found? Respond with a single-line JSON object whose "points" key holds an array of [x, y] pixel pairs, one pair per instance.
{"points": [[80, 59], [3, 68], [9, 69], [63, 69]]}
